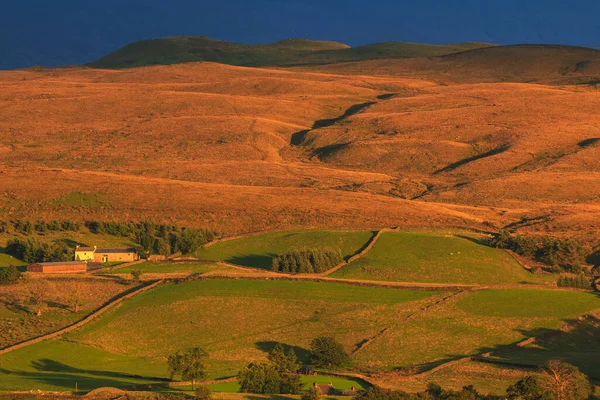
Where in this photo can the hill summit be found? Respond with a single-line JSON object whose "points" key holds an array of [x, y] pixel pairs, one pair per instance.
{"points": [[181, 49]]}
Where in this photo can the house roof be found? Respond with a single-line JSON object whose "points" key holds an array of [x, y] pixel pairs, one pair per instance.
{"points": [[80, 248], [126, 250], [326, 390]]}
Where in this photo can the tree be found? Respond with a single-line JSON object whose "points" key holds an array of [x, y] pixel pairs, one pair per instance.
{"points": [[38, 291], [189, 365], [565, 381], [282, 360], [328, 352], [312, 394], [528, 388], [262, 378], [203, 393], [74, 296], [9, 274], [136, 274]]}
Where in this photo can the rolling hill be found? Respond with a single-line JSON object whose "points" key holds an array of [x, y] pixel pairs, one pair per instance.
{"points": [[244, 149], [173, 50], [550, 64]]}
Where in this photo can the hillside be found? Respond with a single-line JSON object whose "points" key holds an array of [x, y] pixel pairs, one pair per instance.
{"points": [[551, 64], [173, 50], [245, 149], [237, 321]]}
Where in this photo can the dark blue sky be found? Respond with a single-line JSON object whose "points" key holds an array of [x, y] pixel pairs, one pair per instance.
{"points": [[61, 32]]}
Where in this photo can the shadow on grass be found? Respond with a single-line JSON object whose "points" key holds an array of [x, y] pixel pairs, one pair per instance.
{"points": [[55, 373], [479, 241], [364, 246], [302, 353], [465, 161], [253, 260]]}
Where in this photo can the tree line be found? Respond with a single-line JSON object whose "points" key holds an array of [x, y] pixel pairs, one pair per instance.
{"points": [[579, 281], [557, 380], [307, 261], [560, 254], [34, 250], [151, 238], [27, 227]]}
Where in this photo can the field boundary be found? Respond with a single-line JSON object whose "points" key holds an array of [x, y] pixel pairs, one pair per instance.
{"points": [[373, 284], [276, 230], [368, 246], [82, 322]]}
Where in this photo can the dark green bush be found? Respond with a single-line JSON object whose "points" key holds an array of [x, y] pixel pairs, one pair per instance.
{"points": [[9, 274]]}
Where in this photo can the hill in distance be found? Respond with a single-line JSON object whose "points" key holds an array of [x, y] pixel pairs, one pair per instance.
{"points": [[549, 64], [174, 50]]}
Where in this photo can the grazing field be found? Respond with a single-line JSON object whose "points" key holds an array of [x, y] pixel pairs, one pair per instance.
{"points": [[174, 267], [414, 256], [258, 251], [18, 319], [6, 260], [237, 321]]}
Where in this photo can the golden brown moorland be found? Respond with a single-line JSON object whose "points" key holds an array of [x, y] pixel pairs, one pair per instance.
{"points": [[244, 149]]}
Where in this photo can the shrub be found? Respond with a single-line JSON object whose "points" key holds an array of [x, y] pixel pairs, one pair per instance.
{"points": [[9, 275], [203, 393]]}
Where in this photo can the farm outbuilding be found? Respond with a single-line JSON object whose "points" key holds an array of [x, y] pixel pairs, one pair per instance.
{"points": [[63, 267]]}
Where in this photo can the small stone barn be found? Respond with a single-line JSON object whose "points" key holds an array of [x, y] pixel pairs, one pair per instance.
{"points": [[115, 255], [63, 267]]}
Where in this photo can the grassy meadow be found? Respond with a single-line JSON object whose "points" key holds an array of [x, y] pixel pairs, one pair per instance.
{"points": [[430, 257], [258, 251], [177, 267], [238, 321]]}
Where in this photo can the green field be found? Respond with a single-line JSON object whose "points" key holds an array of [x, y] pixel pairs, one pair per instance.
{"points": [[169, 268], [258, 251], [437, 258], [238, 321], [6, 260]]}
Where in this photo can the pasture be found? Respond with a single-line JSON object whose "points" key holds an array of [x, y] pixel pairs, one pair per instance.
{"points": [[6, 260], [175, 267], [238, 321], [258, 251], [435, 257], [18, 319]]}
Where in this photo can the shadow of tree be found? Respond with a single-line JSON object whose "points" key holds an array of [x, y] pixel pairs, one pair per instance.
{"points": [[302, 353], [57, 374], [253, 260]]}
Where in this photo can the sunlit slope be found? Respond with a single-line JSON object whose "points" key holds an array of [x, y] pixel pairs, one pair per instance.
{"points": [[265, 148]]}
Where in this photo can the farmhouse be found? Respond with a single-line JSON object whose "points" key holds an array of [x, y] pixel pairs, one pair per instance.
{"points": [[84, 253], [63, 267], [100, 255]]}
